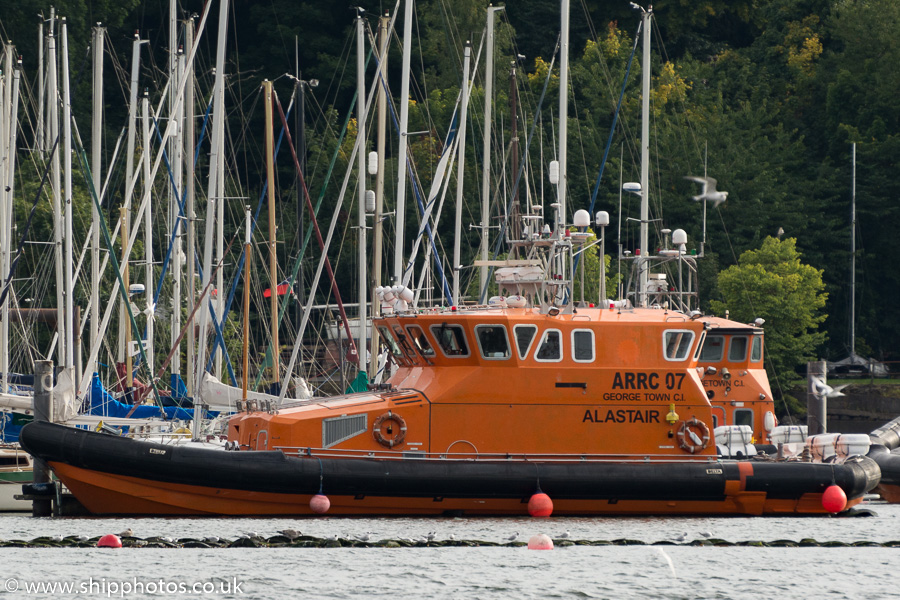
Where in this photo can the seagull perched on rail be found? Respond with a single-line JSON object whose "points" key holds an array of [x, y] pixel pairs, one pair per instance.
{"points": [[708, 190]]}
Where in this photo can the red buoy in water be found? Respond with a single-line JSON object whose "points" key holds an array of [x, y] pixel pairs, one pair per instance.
{"points": [[540, 505], [540, 542], [319, 504], [109, 541], [834, 500]]}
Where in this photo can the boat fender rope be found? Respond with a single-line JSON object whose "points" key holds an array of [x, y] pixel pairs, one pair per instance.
{"points": [[379, 436], [688, 438]]}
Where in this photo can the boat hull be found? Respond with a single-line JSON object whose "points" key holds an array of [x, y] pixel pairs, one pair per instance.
{"points": [[114, 475]]}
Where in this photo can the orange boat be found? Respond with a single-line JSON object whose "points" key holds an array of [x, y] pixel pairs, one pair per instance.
{"points": [[606, 411]]}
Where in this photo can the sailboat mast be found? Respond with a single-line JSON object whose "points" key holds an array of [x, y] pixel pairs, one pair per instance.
{"points": [[377, 241], [96, 166], [189, 201], [853, 258], [644, 261], [400, 217], [129, 165], [148, 230], [53, 116], [245, 365], [273, 260], [563, 114], [361, 201], [12, 129], [486, 148], [460, 169], [214, 197], [40, 135], [67, 163]]}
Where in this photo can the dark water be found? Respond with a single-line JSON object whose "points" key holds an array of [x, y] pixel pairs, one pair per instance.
{"points": [[677, 572]]}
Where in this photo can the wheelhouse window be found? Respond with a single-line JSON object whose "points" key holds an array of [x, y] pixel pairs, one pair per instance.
{"points": [[737, 351], [389, 341], [583, 345], [417, 335], [713, 349], [677, 343], [743, 416], [492, 341], [406, 346], [524, 335], [451, 339], [550, 348], [756, 349]]}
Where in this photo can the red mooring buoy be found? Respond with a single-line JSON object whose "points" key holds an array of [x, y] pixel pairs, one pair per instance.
{"points": [[540, 505], [540, 542], [319, 504], [109, 540], [834, 500]]}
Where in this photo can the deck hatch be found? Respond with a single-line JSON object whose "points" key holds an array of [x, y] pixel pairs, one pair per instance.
{"points": [[338, 429]]}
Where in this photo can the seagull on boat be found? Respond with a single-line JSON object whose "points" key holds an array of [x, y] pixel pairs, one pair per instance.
{"points": [[708, 190], [127, 533], [513, 537], [291, 534]]}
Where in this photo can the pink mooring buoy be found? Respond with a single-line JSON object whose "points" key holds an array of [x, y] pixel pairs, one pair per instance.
{"points": [[540, 505], [540, 542], [319, 504], [834, 500], [109, 540]]}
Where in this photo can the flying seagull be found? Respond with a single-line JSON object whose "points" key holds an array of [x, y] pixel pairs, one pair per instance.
{"points": [[708, 190], [823, 389]]}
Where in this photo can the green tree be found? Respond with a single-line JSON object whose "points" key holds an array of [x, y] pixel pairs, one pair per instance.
{"points": [[774, 284]]}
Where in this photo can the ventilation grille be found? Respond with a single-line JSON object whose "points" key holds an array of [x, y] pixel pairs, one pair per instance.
{"points": [[338, 429]]}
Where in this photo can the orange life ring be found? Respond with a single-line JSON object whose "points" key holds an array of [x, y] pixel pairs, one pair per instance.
{"points": [[693, 436], [393, 440]]}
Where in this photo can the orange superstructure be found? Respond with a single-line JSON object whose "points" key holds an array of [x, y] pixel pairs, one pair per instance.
{"points": [[512, 380]]}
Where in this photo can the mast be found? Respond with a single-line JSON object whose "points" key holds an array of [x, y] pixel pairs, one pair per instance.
{"points": [[176, 227], [67, 163], [40, 134], [460, 169], [96, 158], [245, 366], [563, 115], [273, 261], [853, 259], [377, 242], [189, 212], [214, 197], [129, 167], [361, 162], [515, 216], [126, 282], [404, 130], [486, 147], [148, 230], [53, 129], [8, 212], [644, 261]]}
